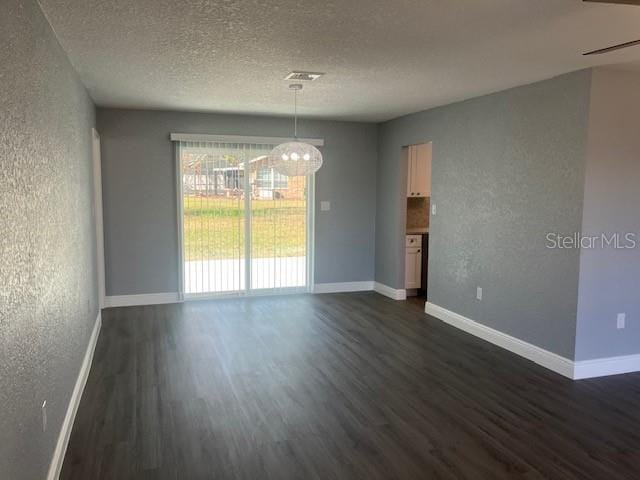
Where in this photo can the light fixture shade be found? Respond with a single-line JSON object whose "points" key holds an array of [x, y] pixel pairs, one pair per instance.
{"points": [[295, 159]]}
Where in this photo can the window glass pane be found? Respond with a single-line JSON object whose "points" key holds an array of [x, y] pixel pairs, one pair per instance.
{"points": [[263, 177], [280, 181]]}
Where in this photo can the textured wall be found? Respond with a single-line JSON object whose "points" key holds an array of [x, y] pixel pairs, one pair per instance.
{"points": [[507, 168], [47, 274], [138, 176], [608, 276]]}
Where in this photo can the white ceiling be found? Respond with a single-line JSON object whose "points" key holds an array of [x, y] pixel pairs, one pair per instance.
{"points": [[383, 58]]}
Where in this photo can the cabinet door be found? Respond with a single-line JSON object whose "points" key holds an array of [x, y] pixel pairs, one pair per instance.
{"points": [[422, 170], [413, 268]]}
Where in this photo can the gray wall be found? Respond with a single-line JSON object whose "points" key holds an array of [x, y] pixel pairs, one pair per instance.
{"points": [[47, 300], [609, 278], [507, 169], [140, 200]]}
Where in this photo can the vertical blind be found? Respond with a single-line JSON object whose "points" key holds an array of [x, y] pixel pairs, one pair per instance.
{"points": [[244, 226]]}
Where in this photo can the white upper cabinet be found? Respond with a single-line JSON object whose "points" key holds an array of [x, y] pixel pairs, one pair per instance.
{"points": [[419, 171]]}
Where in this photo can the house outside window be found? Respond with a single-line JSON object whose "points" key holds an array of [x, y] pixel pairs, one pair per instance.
{"points": [[234, 179], [269, 178]]}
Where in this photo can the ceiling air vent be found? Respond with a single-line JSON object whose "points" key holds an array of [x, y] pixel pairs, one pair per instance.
{"points": [[303, 76]]}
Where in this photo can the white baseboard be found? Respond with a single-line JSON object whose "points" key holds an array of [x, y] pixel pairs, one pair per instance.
{"points": [[387, 291], [144, 299], [575, 370], [343, 287], [67, 425], [601, 367], [543, 357]]}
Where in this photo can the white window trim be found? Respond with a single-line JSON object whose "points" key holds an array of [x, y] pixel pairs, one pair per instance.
{"points": [[197, 137]]}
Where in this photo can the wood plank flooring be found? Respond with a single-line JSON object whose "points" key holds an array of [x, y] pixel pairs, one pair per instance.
{"points": [[343, 386]]}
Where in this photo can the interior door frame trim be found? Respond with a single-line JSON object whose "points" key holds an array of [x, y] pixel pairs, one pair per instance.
{"points": [[98, 213]]}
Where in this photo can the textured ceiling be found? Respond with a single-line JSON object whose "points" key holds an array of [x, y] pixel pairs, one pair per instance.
{"points": [[383, 58]]}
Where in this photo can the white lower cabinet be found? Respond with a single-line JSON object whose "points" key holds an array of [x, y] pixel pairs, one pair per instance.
{"points": [[413, 267]]}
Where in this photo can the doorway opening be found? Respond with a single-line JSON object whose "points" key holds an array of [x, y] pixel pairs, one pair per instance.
{"points": [[244, 228], [418, 208]]}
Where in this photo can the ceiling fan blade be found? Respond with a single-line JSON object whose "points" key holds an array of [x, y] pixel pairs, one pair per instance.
{"points": [[613, 48], [619, 2]]}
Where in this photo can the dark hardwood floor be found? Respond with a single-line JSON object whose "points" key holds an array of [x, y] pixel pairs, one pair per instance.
{"points": [[344, 386]]}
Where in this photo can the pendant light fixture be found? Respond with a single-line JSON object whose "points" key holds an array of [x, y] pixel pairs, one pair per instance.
{"points": [[295, 159]]}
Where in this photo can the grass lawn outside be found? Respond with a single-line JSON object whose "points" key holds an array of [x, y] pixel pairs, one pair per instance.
{"points": [[214, 228]]}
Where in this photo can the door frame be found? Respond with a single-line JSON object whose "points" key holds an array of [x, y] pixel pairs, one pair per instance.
{"points": [[247, 291], [179, 219], [405, 161], [98, 216]]}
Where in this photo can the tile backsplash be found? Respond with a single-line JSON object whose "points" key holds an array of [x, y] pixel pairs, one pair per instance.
{"points": [[418, 212]]}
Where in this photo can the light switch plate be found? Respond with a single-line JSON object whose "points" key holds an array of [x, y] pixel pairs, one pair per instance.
{"points": [[325, 206], [479, 293], [621, 321]]}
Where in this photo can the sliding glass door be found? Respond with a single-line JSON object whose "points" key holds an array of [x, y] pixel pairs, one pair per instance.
{"points": [[278, 216], [244, 228]]}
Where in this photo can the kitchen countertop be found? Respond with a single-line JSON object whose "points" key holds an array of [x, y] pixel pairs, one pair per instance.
{"points": [[417, 230]]}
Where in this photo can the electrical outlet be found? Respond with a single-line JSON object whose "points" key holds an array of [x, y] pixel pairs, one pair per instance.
{"points": [[325, 206], [479, 293], [44, 416], [433, 209], [622, 319]]}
